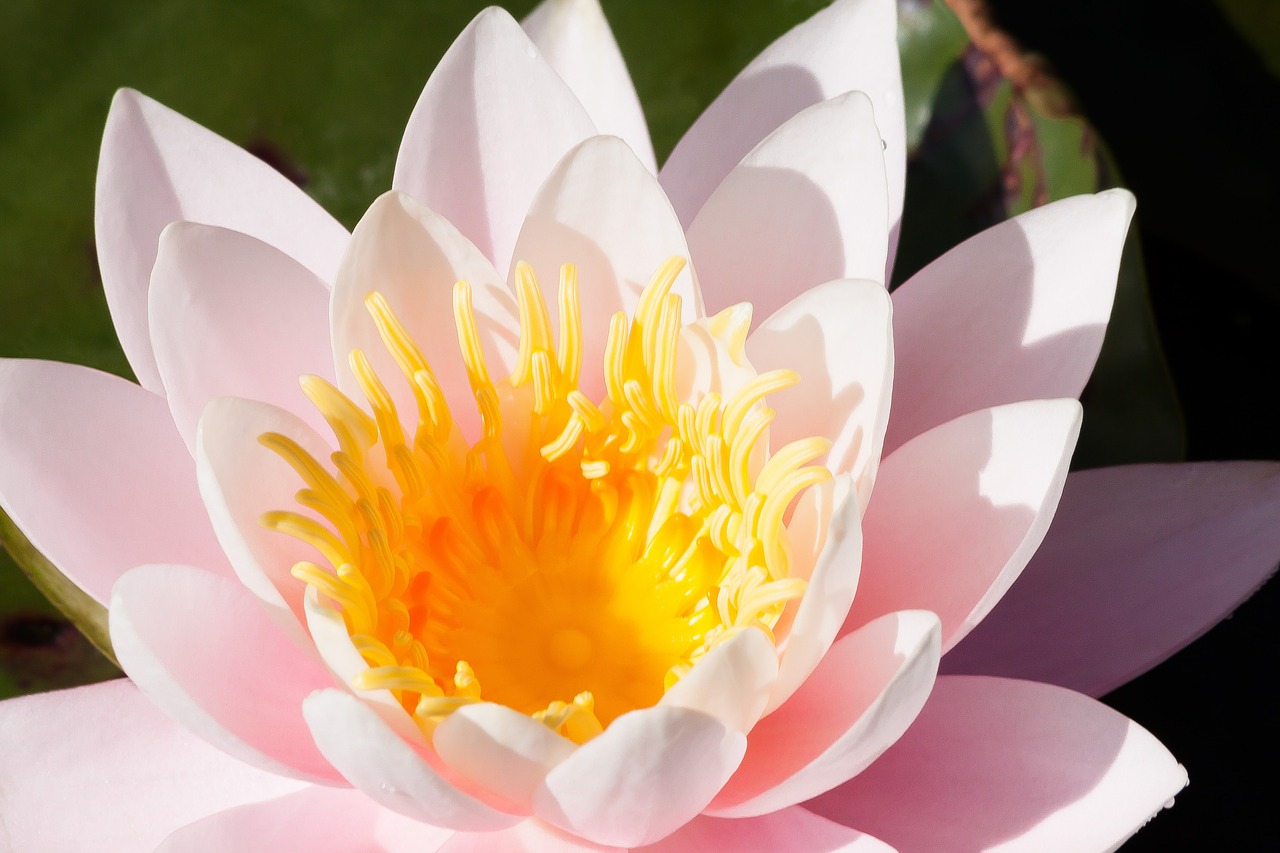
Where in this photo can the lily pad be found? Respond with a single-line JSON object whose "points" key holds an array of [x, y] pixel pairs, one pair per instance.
{"points": [[993, 147]]}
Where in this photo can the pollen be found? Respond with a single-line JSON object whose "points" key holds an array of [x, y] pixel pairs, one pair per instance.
{"points": [[578, 557]]}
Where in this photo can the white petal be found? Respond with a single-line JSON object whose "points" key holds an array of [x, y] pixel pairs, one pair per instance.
{"points": [[1010, 766], [859, 700], [826, 600], [805, 206], [95, 475], [839, 338], [851, 45], [158, 167], [731, 683], [491, 123], [505, 752], [240, 480], [413, 257], [202, 648], [1172, 548], [374, 759], [575, 39], [649, 773], [232, 316], [792, 830], [317, 820], [333, 644], [1016, 313], [959, 511], [101, 768], [604, 212]]}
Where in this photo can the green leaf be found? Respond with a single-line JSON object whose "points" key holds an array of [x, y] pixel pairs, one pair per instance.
{"points": [[990, 150], [930, 41], [40, 648]]}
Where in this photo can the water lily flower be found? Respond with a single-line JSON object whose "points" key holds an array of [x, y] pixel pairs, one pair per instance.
{"points": [[561, 504]]}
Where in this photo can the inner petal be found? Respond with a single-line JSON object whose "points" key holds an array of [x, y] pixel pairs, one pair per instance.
{"points": [[580, 557]]}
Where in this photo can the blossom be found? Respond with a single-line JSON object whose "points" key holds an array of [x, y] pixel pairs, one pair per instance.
{"points": [[588, 609]]}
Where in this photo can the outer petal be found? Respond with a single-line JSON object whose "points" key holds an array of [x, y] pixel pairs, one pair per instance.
{"points": [[859, 700], [203, 649], [805, 206], [492, 121], [503, 751], [413, 256], [1015, 313], [233, 316], [377, 761], [959, 511], [839, 338], [575, 39], [793, 830], [158, 167], [602, 210], [850, 45], [1010, 765], [1140, 561], [102, 765], [240, 480], [96, 476], [648, 774], [318, 820]]}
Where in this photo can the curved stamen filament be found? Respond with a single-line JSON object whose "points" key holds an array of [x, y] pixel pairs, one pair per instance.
{"points": [[597, 553]]}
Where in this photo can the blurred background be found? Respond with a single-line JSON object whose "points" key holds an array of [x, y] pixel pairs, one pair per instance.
{"points": [[1010, 105]]}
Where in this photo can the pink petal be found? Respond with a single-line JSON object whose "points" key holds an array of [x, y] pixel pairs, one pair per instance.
{"points": [[574, 37], [203, 649], [850, 45], [240, 480], [832, 584], [491, 123], [505, 752], [376, 760], [1015, 313], [1140, 560], [732, 682], [317, 820], [859, 700], [233, 316], [101, 766], [958, 512], [648, 774], [805, 206], [792, 830], [333, 643], [413, 257], [1010, 765], [158, 167], [839, 338], [94, 473], [603, 211], [531, 836]]}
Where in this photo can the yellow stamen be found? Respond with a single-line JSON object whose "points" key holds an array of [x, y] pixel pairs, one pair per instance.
{"points": [[598, 552]]}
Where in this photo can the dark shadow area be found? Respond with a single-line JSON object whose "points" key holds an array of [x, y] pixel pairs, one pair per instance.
{"points": [[1189, 110]]}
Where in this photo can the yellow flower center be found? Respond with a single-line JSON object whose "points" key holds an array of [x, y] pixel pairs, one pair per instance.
{"points": [[577, 559]]}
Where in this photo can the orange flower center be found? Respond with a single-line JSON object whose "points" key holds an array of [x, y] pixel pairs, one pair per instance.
{"points": [[577, 559]]}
